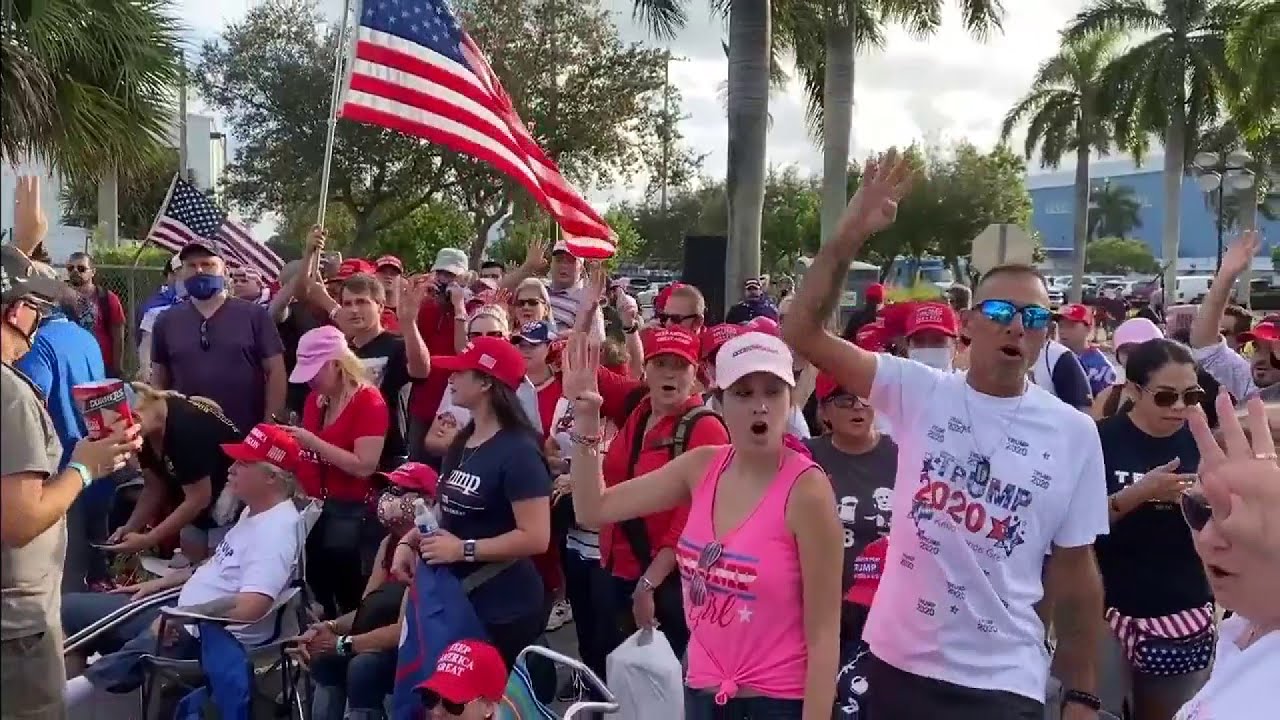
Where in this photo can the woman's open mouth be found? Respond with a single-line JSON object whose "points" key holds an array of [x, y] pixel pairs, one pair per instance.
{"points": [[759, 427], [668, 388]]}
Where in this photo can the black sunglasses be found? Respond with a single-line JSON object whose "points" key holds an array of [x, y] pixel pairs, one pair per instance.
{"points": [[77, 268], [204, 335], [430, 700], [667, 318], [1196, 509], [1168, 398], [491, 333]]}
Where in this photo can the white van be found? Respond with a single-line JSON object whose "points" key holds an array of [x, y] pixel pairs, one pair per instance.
{"points": [[1192, 288]]}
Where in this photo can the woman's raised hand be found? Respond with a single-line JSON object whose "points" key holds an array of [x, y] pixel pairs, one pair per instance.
{"points": [[579, 360]]}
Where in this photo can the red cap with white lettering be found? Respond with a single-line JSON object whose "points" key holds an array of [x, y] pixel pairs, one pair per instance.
{"points": [[266, 443]]}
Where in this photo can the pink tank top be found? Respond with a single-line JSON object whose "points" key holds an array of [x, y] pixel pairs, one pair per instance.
{"points": [[742, 594]]}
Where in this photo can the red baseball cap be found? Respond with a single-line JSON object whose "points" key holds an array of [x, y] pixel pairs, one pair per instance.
{"points": [[266, 443], [390, 261], [874, 293], [867, 569], [493, 356], [660, 300], [355, 266], [670, 341], [715, 336], [414, 476], [935, 316], [766, 325], [1263, 331], [894, 318], [1075, 312], [872, 337], [468, 670], [825, 386]]}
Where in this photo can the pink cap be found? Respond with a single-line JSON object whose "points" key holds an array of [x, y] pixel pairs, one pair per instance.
{"points": [[751, 353], [315, 348], [763, 324]]}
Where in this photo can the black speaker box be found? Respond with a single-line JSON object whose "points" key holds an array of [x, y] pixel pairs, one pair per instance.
{"points": [[706, 262]]}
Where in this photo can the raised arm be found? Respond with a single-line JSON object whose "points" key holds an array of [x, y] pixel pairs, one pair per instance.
{"points": [[873, 208], [1204, 328]]}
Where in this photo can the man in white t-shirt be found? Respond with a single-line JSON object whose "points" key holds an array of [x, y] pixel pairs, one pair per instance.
{"points": [[251, 567], [995, 477]]}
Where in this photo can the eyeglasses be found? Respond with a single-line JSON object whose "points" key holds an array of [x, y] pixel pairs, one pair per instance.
{"points": [[204, 335], [78, 268], [667, 319], [1196, 509], [430, 700], [1002, 312], [491, 333], [530, 302], [707, 559], [847, 402], [1168, 398]]}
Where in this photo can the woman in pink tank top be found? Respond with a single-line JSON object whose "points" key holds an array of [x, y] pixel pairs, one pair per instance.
{"points": [[758, 557]]}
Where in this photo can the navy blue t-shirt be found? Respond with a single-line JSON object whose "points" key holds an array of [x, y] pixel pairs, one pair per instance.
{"points": [[476, 492]]}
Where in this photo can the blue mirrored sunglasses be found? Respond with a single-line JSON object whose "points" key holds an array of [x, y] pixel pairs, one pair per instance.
{"points": [[1034, 317]]}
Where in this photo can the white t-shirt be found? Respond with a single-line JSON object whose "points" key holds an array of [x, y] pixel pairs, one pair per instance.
{"points": [[257, 555], [967, 552], [1242, 683]]}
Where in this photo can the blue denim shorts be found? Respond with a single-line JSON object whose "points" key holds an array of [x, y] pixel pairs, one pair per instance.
{"points": [[701, 705]]}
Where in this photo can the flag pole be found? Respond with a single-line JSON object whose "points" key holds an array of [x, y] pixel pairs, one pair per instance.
{"points": [[334, 94]]}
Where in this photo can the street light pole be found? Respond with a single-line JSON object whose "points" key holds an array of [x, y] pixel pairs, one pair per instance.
{"points": [[1214, 172]]}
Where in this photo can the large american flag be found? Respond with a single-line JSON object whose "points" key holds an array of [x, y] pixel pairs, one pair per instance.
{"points": [[188, 215], [415, 70]]}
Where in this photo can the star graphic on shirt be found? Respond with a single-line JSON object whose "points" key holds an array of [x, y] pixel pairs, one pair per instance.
{"points": [[999, 528], [744, 614], [1012, 538], [955, 609]]}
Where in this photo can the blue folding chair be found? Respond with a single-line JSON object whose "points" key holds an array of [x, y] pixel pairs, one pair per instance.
{"points": [[521, 703]]}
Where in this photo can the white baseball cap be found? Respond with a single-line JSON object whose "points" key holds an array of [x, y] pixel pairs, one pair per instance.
{"points": [[751, 353], [450, 260]]}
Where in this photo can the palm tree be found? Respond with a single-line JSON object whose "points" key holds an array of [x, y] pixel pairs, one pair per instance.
{"points": [[1254, 51], [1063, 113], [1114, 211], [87, 85], [1171, 82]]}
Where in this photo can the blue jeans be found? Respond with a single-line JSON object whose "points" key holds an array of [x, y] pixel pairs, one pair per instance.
{"points": [[122, 647], [360, 683], [701, 705]]}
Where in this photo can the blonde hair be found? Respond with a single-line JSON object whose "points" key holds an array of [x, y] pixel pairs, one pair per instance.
{"points": [[536, 284], [497, 312], [690, 292], [351, 369], [145, 394]]}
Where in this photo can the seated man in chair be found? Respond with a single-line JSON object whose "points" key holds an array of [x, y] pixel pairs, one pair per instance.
{"points": [[249, 570]]}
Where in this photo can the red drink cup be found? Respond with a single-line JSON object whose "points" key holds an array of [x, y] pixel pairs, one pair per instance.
{"points": [[103, 404]]}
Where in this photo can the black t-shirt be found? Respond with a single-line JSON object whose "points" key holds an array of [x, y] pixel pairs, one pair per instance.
{"points": [[476, 491], [384, 360], [194, 433], [299, 321], [1149, 565]]}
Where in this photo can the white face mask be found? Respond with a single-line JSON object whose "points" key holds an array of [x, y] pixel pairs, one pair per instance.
{"points": [[938, 358]]}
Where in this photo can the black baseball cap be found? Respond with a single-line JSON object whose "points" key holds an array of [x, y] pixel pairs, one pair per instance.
{"points": [[21, 278], [202, 247]]}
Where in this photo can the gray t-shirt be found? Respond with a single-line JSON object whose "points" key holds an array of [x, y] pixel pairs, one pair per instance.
{"points": [[863, 487], [31, 576]]}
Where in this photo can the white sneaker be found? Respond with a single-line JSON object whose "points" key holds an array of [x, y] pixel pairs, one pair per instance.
{"points": [[561, 614]]}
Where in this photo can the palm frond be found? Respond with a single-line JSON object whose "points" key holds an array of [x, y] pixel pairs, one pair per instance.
{"points": [[662, 18], [1129, 16]]}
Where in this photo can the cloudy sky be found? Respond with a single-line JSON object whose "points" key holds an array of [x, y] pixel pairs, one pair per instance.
{"points": [[940, 89]]}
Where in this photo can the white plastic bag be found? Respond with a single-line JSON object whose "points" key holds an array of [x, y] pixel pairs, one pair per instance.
{"points": [[644, 673]]}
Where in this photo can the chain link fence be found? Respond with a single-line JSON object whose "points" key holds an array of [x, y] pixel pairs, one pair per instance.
{"points": [[133, 285]]}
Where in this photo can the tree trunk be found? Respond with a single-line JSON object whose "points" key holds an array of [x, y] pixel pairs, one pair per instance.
{"points": [[1080, 237], [837, 124], [109, 208], [1174, 150], [749, 45]]}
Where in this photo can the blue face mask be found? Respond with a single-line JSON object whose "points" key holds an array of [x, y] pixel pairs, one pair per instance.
{"points": [[203, 287]]}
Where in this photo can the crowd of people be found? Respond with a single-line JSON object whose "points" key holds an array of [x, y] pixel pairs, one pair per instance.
{"points": [[952, 509]]}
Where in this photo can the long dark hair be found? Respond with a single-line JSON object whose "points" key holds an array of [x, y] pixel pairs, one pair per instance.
{"points": [[506, 408], [1145, 358]]}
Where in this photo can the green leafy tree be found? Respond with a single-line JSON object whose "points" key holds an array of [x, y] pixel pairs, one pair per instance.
{"points": [[139, 194], [1120, 256], [1114, 211], [1064, 116], [792, 219], [1254, 51], [87, 85], [1170, 82]]}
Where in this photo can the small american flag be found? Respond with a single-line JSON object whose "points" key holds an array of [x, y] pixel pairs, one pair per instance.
{"points": [[189, 216], [416, 71]]}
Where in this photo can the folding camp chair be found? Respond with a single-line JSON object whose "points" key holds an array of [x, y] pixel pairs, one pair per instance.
{"points": [[520, 702]]}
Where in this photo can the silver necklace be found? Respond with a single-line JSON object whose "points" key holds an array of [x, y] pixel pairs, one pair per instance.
{"points": [[982, 469]]}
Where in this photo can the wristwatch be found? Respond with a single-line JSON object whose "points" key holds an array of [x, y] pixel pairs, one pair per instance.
{"points": [[86, 477], [469, 550], [1081, 697], [631, 330]]}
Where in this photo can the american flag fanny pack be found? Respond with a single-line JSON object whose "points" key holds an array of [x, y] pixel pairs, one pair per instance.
{"points": [[1174, 644]]}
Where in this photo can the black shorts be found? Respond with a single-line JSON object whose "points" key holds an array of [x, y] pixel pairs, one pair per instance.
{"points": [[900, 695]]}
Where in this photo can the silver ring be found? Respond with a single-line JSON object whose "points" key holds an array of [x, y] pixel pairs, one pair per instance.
{"points": [[1264, 456]]}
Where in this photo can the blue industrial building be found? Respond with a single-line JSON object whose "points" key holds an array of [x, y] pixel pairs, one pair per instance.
{"points": [[1053, 210]]}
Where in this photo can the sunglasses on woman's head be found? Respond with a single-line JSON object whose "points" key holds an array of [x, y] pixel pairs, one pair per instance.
{"points": [[1168, 398], [1002, 312], [491, 333], [1196, 509], [430, 700], [668, 319]]}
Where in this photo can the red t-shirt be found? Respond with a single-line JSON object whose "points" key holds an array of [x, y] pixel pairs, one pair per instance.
{"points": [[390, 320], [663, 528], [435, 322], [364, 416], [549, 393], [110, 303]]}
